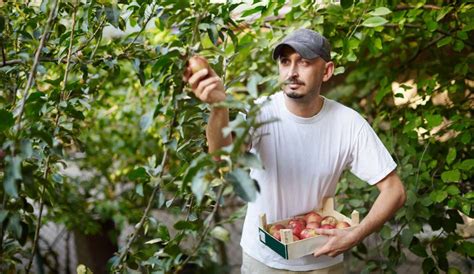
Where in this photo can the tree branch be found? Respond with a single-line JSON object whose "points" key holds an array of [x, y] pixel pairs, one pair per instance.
{"points": [[49, 23], [206, 230]]}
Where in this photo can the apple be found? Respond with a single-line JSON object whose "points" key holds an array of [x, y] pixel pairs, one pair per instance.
{"points": [[277, 235], [313, 217], [276, 227], [313, 225], [296, 238], [308, 233], [329, 220], [296, 225], [343, 224], [327, 226], [197, 63]]}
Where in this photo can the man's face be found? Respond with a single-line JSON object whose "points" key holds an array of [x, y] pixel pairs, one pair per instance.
{"points": [[301, 77]]}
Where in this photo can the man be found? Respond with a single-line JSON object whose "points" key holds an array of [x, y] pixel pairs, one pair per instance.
{"points": [[304, 154]]}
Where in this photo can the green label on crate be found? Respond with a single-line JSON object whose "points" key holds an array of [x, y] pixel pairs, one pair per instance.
{"points": [[272, 243]]}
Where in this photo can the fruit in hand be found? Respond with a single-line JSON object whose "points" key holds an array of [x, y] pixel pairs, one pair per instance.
{"points": [[275, 228], [308, 233], [329, 220], [343, 224], [313, 217], [197, 63]]}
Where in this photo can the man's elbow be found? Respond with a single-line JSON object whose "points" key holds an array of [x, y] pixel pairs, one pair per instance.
{"points": [[402, 195]]}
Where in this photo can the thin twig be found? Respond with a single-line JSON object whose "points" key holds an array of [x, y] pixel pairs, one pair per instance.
{"points": [[3, 53], [40, 214], [206, 230], [139, 226], [49, 23], [152, 14], [101, 24]]}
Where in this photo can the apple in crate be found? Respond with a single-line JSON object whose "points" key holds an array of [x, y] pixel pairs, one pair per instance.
{"points": [[313, 217], [275, 228], [313, 225], [329, 220], [342, 224], [308, 233], [327, 226], [277, 235], [296, 225]]}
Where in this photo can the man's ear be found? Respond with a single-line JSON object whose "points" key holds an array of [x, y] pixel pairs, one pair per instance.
{"points": [[329, 70]]}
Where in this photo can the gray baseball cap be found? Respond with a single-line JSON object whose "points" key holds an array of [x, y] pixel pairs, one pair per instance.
{"points": [[309, 44]]}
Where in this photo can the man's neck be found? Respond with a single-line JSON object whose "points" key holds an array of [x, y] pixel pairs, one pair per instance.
{"points": [[304, 108]]}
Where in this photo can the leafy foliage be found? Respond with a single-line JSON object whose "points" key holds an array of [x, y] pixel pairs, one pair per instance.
{"points": [[116, 107]]}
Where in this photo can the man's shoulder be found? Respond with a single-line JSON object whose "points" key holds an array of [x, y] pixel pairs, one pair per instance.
{"points": [[343, 112]]}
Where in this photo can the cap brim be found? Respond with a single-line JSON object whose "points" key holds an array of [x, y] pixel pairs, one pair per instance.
{"points": [[301, 49]]}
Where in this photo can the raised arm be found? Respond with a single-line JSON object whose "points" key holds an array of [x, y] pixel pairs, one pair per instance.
{"points": [[208, 87], [391, 198]]}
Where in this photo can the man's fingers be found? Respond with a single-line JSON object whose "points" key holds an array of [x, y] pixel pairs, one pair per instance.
{"points": [[203, 84], [207, 92], [323, 250], [326, 232], [196, 77]]}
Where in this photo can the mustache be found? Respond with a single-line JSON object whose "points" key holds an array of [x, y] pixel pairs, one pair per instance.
{"points": [[293, 81]]}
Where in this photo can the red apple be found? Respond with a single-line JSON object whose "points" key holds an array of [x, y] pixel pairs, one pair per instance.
{"points": [[313, 217], [197, 63], [296, 225], [308, 233], [327, 226], [296, 238], [329, 220], [277, 235], [343, 224], [313, 225], [276, 227]]}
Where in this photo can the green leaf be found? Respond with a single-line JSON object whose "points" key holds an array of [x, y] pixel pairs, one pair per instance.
{"points": [[431, 25], [375, 21], [7, 120], [434, 120], [444, 41], [339, 70], [467, 164], [453, 270], [252, 11], [411, 198], [146, 120], [185, 225], [438, 196], [381, 11], [244, 185], [345, 4], [451, 176], [442, 13], [12, 173], [406, 237], [139, 189], [428, 265], [200, 185], [138, 173], [451, 155], [417, 248], [386, 232], [452, 190], [220, 233]]}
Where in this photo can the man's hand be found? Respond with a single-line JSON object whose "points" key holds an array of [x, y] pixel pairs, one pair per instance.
{"points": [[339, 241], [206, 85]]}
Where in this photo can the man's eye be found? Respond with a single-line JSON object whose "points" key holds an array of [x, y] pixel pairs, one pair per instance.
{"points": [[304, 62], [284, 61]]}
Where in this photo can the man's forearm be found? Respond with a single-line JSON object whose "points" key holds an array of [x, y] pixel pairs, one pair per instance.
{"points": [[391, 198], [218, 119]]}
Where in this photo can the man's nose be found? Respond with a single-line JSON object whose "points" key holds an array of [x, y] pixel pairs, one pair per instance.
{"points": [[293, 72]]}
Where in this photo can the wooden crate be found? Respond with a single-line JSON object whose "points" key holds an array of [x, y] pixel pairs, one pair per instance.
{"points": [[290, 249]]}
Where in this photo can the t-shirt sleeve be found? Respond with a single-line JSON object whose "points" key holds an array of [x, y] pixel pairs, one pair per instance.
{"points": [[370, 159]]}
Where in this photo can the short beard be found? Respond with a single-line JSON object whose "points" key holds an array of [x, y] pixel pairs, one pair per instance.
{"points": [[294, 95]]}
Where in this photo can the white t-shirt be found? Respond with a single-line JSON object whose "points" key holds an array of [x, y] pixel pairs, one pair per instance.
{"points": [[303, 159]]}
